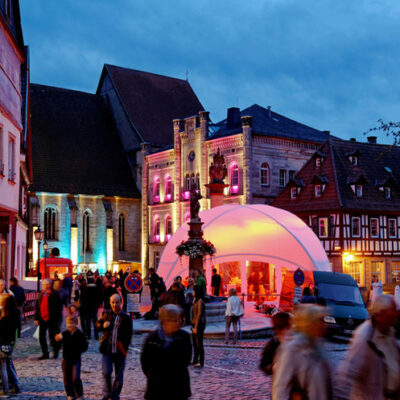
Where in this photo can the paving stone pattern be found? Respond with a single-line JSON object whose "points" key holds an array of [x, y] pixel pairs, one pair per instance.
{"points": [[231, 372]]}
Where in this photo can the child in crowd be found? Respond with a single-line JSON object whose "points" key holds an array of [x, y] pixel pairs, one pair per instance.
{"points": [[74, 344], [281, 324], [165, 357]]}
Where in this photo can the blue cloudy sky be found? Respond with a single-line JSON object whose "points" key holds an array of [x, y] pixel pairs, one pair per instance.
{"points": [[331, 64]]}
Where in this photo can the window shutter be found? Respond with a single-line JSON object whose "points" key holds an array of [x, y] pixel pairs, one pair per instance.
{"points": [[331, 226]]}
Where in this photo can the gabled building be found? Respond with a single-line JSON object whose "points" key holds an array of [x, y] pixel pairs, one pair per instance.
{"points": [[83, 195], [15, 170], [262, 151], [349, 194]]}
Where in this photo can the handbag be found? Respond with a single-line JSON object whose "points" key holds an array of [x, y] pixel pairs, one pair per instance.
{"points": [[6, 351]]}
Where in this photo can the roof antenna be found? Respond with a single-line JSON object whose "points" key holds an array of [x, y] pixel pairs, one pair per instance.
{"points": [[187, 75]]}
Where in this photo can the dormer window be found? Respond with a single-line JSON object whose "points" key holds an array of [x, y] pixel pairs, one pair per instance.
{"points": [[353, 160], [293, 193], [318, 190], [318, 162], [359, 191], [388, 192]]}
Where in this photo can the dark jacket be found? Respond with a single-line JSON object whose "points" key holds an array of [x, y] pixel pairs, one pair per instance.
{"points": [[175, 297], [89, 299], [216, 283], [19, 294], [124, 330], [107, 293], [55, 308], [73, 344], [165, 365], [267, 358], [8, 328]]}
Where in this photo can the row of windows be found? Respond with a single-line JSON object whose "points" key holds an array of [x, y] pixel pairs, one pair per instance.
{"points": [[324, 227], [377, 271], [284, 175], [50, 222], [156, 228]]}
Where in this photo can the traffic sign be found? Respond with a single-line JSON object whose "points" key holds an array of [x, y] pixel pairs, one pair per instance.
{"points": [[133, 283], [298, 277]]}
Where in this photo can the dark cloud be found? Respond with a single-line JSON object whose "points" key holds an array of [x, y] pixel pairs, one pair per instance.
{"points": [[330, 64]]}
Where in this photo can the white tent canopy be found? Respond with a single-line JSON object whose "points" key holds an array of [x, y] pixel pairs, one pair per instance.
{"points": [[249, 233]]}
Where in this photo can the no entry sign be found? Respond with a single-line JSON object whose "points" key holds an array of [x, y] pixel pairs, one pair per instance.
{"points": [[133, 283]]}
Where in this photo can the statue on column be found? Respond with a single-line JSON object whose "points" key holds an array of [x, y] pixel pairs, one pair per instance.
{"points": [[218, 170], [195, 196]]}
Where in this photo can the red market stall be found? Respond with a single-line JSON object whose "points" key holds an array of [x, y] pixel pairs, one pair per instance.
{"points": [[55, 265]]}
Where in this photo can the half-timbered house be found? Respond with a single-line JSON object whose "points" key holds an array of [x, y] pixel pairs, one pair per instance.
{"points": [[349, 194]]}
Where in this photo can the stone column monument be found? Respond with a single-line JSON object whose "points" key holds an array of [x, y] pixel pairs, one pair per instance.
{"points": [[217, 173]]}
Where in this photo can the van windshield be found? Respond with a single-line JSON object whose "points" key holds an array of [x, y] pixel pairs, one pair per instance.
{"points": [[340, 294]]}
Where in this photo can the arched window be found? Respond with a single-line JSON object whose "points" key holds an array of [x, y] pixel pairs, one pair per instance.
{"points": [[156, 229], [121, 232], [50, 220], [187, 183], [198, 181], [86, 231], [168, 227], [193, 182], [235, 179], [156, 190], [264, 174], [168, 188]]}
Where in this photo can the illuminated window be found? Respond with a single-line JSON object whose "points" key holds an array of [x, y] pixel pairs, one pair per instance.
{"points": [[293, 192], [156, 190], [282, 178], [395, 271], [86, 231], [318, 162], [359, 191], [323, 228], [198, 181], [121, 232], [156, 229], [187, 183], [168, 227], [265, 174], [168, 188], [354, 269], [318, 190], [356, 226], [377, 269], [374, 227], [49, 221], [235, 175], [392, 227]]}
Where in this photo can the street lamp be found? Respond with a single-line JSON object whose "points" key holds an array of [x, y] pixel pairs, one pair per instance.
{"points": [[45, 247], [39, 235]]}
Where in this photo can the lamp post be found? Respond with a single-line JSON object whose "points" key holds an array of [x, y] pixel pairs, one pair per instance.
{"points": [[39, 235], [45, 247]]}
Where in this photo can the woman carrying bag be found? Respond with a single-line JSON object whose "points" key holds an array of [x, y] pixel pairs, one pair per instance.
{"points": [[198, 326], [8, 330]]}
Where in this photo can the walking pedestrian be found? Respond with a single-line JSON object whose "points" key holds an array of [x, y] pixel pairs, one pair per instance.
{"points": [[114, 343], [74, 344], [189, 300], [200, 280], [371, 369], [307, 297], [8, 328], [20, 298], [198, 326], [89, 305], [232, 314], [165, 357], [108, 291], [175, 296], [215, 282], [281, 325], [48, 317], [302, 370]]}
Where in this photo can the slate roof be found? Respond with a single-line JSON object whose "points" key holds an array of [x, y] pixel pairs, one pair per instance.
{"points": [[75, 146], [375, 162], [13, 22], [153, 101], [269, 123]]}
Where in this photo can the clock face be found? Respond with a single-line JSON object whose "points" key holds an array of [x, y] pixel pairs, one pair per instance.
{"points": [[191, 156]]}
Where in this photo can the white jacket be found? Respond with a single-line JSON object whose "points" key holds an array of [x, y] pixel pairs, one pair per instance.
{"points": [[233, 306]]}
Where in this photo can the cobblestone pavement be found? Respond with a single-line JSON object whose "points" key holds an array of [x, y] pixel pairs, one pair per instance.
{"points": [[231, 372]]}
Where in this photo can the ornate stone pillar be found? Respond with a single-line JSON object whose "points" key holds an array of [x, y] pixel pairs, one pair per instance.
{"points": [[145, 208], [178, 172], [247, 158], [204, 121]]}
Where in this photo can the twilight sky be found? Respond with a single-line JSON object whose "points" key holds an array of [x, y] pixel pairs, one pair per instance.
{"points": [[331, 64]]}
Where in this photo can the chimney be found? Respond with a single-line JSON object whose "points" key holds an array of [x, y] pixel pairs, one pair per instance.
{"points": [[233, 118], [353, 139], [372, 139], [269, 112]]}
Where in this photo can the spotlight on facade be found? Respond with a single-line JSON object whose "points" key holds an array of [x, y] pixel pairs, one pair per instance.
{"points": [[348, 257]]}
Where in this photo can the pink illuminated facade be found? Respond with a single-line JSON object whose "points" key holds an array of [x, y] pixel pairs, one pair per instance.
{"points": [[15, 172], [262, 150]]}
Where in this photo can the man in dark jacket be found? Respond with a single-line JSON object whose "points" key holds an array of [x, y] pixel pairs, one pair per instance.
{"points": [[165, 357], [114, 343], [90, 302], [215, 282], [48, 317], [175, 296]]}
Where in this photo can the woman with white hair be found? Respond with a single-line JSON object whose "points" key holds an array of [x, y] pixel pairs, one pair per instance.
{"points": [[302, 370], [371, 369]]}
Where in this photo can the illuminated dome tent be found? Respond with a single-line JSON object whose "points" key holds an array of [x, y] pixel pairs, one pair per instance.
{"points": [[255, 246]]}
